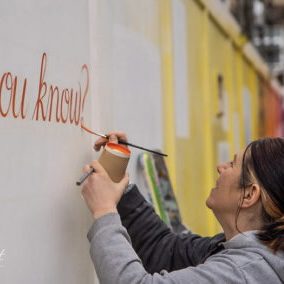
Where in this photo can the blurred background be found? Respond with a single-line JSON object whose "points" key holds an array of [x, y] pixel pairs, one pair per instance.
{"points": [[263, 24]]}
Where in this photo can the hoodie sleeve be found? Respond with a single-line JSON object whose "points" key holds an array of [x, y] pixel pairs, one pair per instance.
{"points": [[116, 262], [157, 246]]}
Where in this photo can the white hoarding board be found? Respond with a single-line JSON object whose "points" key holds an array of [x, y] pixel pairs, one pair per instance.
{"points": [[44, 92]]}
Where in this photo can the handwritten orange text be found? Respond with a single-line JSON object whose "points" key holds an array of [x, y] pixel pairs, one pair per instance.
{"points": [[9, 95], [61, 105]]}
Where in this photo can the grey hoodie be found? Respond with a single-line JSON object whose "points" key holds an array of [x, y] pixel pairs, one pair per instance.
{"points": [[244, 260]]}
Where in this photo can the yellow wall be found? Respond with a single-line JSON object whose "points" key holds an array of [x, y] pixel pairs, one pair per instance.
{"points": [[167, 83], [212, 51]]}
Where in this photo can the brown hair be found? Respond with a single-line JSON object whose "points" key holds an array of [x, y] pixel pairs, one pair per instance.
{"points": [[264, 159]]}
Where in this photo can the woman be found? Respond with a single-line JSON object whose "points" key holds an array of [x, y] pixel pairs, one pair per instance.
{"points": [[248, 202]]}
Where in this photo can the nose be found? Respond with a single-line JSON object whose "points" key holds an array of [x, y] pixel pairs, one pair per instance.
{"points": [[221, 167]]}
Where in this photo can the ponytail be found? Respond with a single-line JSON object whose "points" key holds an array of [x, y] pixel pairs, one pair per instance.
{"points": [[272, 235]]}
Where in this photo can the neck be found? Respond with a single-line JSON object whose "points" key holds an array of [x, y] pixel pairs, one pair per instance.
{"points": [[244, 224], [229, 232]]}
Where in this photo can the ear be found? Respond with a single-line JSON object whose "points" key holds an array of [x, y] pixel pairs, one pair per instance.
{"points": [[251, 196]]}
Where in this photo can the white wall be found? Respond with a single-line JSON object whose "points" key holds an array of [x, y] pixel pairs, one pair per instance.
{"points": [[43, 221], [125, 55]]}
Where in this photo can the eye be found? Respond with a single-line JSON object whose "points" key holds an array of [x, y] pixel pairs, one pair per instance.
{"points": [[232, 164]]}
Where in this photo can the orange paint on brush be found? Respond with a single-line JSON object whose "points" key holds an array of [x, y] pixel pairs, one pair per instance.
{"points": [[92, 132]]}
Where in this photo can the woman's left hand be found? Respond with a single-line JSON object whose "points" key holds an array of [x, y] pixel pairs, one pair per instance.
{"points": [[101, 194]]}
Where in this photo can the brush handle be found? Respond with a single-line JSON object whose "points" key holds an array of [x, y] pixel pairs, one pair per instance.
{"points": [[85, 176], [142, 148], [123, 142]]}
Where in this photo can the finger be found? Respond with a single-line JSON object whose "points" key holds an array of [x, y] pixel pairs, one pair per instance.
{"points": [[86, 168], [119, 134], [99, 143], [83, 193], [98, 167], [113, 138]]}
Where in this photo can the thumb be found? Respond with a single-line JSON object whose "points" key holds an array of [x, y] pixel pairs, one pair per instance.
{"points": [[113, 138]]}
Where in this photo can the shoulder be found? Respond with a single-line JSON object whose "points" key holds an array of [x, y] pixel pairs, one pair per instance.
{"points": [[248, 263], [238, 258], [218, 268]]}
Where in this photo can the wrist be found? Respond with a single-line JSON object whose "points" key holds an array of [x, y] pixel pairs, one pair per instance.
{"points": [[103, 211]]}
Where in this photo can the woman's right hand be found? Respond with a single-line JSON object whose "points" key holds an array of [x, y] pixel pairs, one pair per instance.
{"points": [[113, 137]]}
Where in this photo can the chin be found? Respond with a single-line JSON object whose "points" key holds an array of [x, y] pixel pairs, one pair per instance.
{"points": [[208, 203]]}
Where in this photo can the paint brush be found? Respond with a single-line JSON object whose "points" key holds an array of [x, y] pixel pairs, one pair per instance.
{"points": [[123, 142], [85, 176]]}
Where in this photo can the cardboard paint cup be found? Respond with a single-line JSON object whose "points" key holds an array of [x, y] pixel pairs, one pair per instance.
{"points": [[114, 160]]}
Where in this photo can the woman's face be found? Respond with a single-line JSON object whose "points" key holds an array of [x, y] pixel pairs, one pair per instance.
{"points": [[225, 196]]}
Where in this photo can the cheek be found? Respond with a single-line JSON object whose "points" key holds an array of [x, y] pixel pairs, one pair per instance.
{"points": [[222, 200]]}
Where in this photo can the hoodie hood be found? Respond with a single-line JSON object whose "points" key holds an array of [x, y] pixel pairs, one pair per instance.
{"points": [[249, 242]]}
